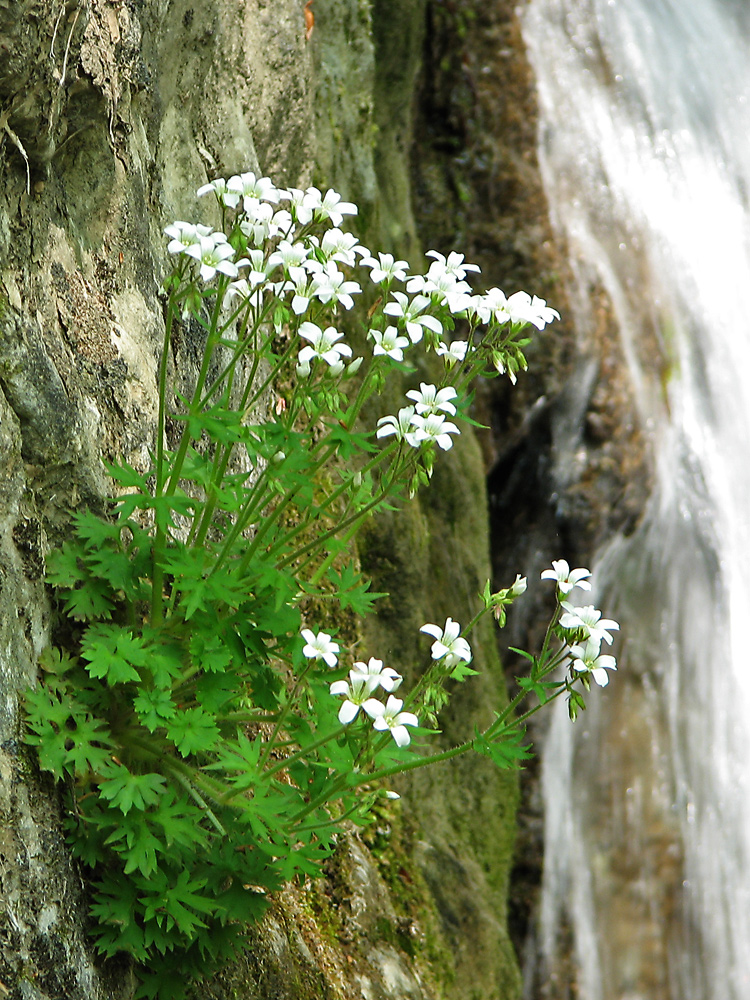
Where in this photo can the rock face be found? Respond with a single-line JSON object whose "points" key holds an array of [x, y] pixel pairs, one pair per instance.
{"points": [[113, 113]]}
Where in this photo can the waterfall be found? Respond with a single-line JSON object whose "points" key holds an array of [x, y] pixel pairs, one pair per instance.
{"points": [[645, 152]]}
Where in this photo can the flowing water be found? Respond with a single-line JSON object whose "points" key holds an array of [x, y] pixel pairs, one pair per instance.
{"points": [[645, 148]]}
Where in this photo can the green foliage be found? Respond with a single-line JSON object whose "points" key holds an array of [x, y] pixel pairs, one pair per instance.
{"points": [[194, 730]]}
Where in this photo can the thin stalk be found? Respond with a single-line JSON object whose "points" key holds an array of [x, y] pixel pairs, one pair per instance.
{"points": [[321, 539], [304, 751]]}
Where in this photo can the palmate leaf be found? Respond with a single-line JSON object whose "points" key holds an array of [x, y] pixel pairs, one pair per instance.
{"points": [[505, 748], [135, 842], [114, 654], [180, 820], [63, 567], [88, 602], [126, 790], [88, 746], [349, 443], [176, 902], [193, 731], [154, 707], [114, 908], [353, 590], [68, 738]]}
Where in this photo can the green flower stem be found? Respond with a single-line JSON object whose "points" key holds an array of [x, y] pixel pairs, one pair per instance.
{"points": [[253, 505], [367, 387], [343, 525], [331, 822], [272, 374], [435, 665], [238, 350], [248, 717], [305, 524], [195, 403], [283, 715], [167, 760], [548, 635], [304, 751], [157, 589], [565, 688], [157, 570], [329, 796], [198, 798]]}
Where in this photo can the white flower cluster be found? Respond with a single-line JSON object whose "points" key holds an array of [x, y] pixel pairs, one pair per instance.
{"points": [[585, 625], [364, 680], [273, 250], [424, 422]]}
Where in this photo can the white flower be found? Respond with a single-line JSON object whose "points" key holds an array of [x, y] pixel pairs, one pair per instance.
{"points": [[430, 399], [240, 289], [522, 308], [320, 647], [432, 429], [253, 189], [389, 343], [299, 283], [410, 313], [442, 286], [390, 716], [400, 426], [385, 268], [212, 253], [452, 265], [494, 306], [184, 234], [453, 354], [341, 246], [448, 643], [587, 659], [590, 620], [258, 225], [220, 188], [323, 345], [260, 268], [288, 255], [518, 586], [329, 286], [332, 207], [303, 204], [567, 578], [385, 677], [357, 690]]}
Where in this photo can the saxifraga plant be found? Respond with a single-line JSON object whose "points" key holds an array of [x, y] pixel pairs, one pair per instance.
{"points": [[191, 710]]}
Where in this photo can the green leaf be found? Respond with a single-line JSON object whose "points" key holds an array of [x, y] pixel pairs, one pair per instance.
{"points": [[154, 707], [140, 847], [127, 790], [87, 603], [505, 748], [63, 566], [352, 590], [113, 654], [193, 731], [89, 746], [210, 652], [128, 477], [114, 908], [181, 821]]}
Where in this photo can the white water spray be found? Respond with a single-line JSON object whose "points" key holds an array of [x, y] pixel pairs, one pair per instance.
{"points": [[645, 150]]}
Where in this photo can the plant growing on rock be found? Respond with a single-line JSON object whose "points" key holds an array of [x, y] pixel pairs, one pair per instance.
{"points": [[211, 737]]}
